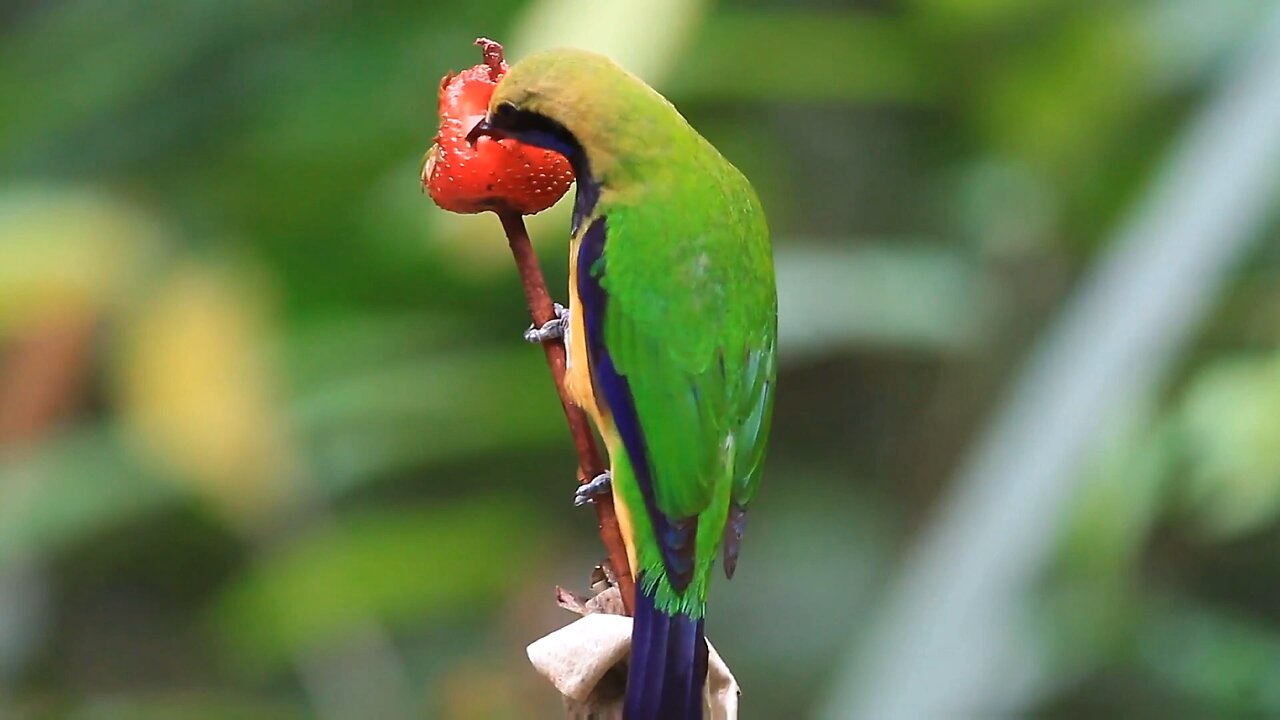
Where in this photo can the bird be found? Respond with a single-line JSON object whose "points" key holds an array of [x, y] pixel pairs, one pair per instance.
{"points": [[671, 339]]}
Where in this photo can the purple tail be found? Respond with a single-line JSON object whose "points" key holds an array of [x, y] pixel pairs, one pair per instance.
{"points": [[668, 666]]}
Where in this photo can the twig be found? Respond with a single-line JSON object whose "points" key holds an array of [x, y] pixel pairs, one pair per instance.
{"points": [[542, 310]]}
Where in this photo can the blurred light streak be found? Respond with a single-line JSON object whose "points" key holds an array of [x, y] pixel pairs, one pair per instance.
{"points": [[648, 37], [944, 646]]}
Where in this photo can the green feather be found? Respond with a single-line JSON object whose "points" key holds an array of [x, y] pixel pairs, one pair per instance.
{"points": [[691, 324]]}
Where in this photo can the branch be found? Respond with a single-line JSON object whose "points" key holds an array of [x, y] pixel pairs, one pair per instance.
{"points": [[542, 310]]}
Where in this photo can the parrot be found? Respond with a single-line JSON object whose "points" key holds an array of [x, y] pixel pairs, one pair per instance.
{"points": [[671, 339]]}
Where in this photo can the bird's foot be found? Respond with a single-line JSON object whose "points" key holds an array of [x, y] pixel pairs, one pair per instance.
{"points": [[599, 485], [551, 329]]}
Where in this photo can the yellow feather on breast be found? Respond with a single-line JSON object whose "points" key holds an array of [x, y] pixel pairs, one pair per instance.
{"points": [[577, 383], [577, 376]]}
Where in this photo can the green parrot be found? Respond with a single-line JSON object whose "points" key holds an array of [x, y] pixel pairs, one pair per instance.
{"points": [[671, 337]]}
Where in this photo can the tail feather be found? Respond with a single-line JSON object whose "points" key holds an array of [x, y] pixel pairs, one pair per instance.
{"points": [[668, 665], [678, 675], [700, 660]]}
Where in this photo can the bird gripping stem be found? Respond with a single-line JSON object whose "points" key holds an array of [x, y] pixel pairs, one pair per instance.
{"points": [[590, 465]]}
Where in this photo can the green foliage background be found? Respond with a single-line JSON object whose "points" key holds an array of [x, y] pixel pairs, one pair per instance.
{"points": [[270, 446]]}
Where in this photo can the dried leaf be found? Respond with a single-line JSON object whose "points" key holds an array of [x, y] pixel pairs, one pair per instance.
{"points": [[580, 659]]}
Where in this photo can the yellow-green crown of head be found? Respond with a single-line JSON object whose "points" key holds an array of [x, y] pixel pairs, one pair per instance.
{"points": [[612, 114]]}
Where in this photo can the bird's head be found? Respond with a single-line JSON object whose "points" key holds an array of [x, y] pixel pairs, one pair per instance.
{"points": [[577, 103]]}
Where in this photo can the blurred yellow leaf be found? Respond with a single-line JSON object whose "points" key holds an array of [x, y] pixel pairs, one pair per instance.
{"points": [[66, 253], [198, 394]]}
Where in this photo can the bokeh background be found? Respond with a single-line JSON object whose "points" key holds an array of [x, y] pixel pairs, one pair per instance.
{"points": [[270, 445]]}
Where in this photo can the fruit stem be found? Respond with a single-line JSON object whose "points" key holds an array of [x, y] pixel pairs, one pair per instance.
{"points": [[493, 57], [542, 310]]}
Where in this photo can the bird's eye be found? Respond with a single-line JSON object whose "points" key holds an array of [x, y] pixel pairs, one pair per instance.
{"points": [[504, 109]]}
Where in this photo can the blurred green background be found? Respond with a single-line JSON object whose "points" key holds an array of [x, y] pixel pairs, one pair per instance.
{"points": [[271, 447]]}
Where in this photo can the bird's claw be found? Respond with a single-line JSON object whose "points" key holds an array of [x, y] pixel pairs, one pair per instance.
{"points": [[588, 492], [551, 329]]}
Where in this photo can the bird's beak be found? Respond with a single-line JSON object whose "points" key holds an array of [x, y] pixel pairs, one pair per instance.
{"points": [[484, 128]]}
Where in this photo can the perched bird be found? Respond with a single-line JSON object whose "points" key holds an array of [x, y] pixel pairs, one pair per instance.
{"points": [[671, 334]]}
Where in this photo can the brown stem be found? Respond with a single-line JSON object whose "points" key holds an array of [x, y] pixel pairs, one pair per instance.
{"points": [[493, 57], [542, 310]]}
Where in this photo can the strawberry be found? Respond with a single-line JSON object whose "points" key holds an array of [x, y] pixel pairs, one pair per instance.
{"points": [[492, 174]]}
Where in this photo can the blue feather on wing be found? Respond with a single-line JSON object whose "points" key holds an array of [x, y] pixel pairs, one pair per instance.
{"points": [[676, 536]]}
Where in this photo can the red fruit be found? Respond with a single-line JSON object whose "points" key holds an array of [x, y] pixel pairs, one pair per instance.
{"points": [[492, 174]]}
